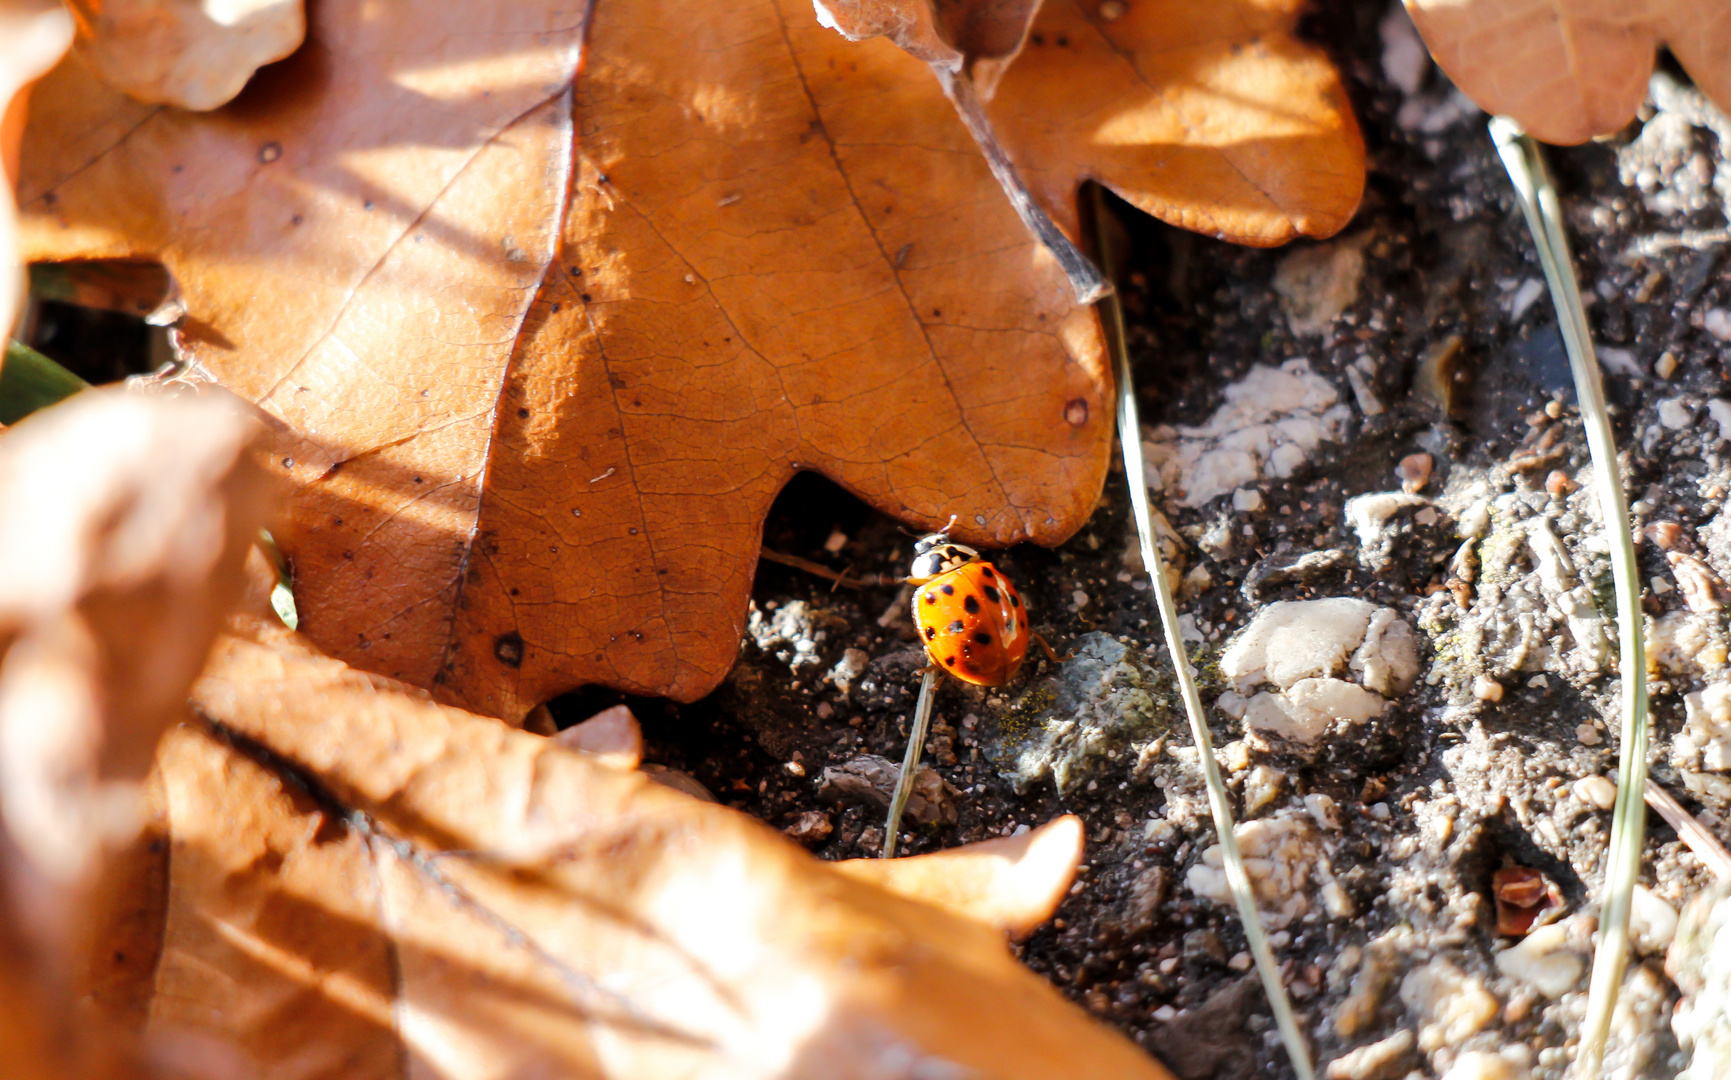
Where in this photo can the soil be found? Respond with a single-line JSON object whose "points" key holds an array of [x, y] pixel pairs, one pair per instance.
{"points": [[1431, 798]]}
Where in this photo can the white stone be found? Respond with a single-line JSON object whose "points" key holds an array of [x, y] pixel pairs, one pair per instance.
{"points": [[1720, 410], [1523, 297], [1322, 810], [1284, 859], [1676, 414], [1707, 724], [1619, 362], [1480, 1065], [1303, 648], [1450, 1004], [1261, 787], [1652, 922], [1717, 321], [1544, 961], [1596, 791], [1271, 421], [1247, 500], [1475, 519], [1405, 61]]}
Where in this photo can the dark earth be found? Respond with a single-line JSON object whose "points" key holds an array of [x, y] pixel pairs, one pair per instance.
{"points": [[1462, 373]]}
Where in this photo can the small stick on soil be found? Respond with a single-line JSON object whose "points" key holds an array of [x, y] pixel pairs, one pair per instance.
{"points": [[1703, 843], [852, 581], [1085, 278], [910, 761]]}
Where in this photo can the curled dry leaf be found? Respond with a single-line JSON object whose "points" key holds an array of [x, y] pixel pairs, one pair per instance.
{"points": [[517, 473], [1570, 70], [124, 520], [1014, 883], [366, 883], [33, 36], [196, 54]]}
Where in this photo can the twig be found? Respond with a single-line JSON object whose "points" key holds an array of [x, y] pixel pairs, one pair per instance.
{"points": [[852, 581], [1703, 843], [1544, 216], [1085, 278], [1135, 475], [910, 761]]}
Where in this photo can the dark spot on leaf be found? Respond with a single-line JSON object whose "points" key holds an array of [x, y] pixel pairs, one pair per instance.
{"points": [[992, 593], [982, 637], [269, 152], [971, 604], [523, 414], [585, 298], [509, 649], [288, 462], [1076, 412]]}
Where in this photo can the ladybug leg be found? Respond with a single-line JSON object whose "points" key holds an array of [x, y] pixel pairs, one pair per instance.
{"points": [[1051, 654]]}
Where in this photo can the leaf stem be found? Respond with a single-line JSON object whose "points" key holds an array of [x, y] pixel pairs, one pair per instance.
{"points": [[1085, 278], [910, 761], [1538, 198], [1219, 806]]}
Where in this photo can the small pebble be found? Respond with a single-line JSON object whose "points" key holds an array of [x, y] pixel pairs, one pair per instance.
{"points": [[1588, 735], [1165, 1013], [1247, 500], [1415, 470], [1079, 598], [1239, 962], [1598, 790], [1666, 365], [1486, 688], [1558, 483], [1554, 409]]}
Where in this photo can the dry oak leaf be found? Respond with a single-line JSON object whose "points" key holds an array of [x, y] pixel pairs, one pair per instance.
{"points": [[193, 53], [1210, 116], [518, 473], [365, 883], [33, 36], [1570, 70], [126, 520], [980, 36]]}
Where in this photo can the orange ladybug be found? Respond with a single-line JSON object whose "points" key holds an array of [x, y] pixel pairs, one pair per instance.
{"points": [[968, 614]]}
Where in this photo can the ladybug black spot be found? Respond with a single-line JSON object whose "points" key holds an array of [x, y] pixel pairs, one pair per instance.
{"points": [[972, 605], [948, 590], [930, 633], [992, 593], [982, 637], [987, 571], [949, 661], [957, 627], [1015, 601], [930, 599]]}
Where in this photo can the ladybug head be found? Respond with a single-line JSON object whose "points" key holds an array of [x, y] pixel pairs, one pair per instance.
{"points": [[936, 554]]}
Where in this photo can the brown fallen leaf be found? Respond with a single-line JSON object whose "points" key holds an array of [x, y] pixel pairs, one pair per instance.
{"points": [[1014, 883], [516, 474], [196, 54], [1570, 70], [33, 36], [115, 573], [367, 883], [1210, 116]]}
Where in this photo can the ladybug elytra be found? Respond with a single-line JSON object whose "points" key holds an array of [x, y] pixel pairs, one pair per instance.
{"points": [[969, 616]]}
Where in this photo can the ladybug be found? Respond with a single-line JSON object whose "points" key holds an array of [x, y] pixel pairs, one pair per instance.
{"points": [[969, 616]]}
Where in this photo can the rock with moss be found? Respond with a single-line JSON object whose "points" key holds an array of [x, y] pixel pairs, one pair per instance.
{"points": [[1106, 704]]}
